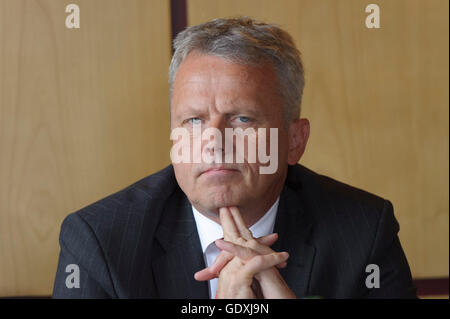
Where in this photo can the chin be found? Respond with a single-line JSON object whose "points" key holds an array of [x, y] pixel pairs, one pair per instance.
{"points": [[215, 200]]}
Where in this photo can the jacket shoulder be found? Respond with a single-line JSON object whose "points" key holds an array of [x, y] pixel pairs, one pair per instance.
{"points": [[111, 239], [349, 215], [120, 219], [353, 229], [137, 199], [330, 190]]}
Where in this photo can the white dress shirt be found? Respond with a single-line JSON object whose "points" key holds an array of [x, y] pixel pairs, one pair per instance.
{"points": [[209, 231]]}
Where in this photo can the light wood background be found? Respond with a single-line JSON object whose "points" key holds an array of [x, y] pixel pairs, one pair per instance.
{"points": [[84, 113], [378, 104]]}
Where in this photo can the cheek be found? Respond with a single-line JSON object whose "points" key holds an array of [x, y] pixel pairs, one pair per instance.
{"points": [[184, 176], [283, 150], [251, 175]]}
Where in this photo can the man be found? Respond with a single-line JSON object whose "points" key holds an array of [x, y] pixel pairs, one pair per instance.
{"points": [[218, 228]]}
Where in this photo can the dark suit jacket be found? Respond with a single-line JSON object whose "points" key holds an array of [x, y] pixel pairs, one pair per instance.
{"points": [[142, 242]]}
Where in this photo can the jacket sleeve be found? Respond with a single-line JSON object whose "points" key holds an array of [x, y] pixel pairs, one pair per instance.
{"points": [[82, 270], [387, 253]]}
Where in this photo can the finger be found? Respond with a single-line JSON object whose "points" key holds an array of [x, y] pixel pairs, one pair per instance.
{"points": [[243, 253], [213, 271], [230, 232], [282, 265], [240, 224], [204, 274], [268, 240], [263, 262], [220, 262]]}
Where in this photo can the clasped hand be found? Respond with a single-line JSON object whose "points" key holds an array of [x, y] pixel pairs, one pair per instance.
{"points": [[246, 267]]}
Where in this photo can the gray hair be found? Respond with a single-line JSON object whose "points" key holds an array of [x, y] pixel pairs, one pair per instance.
{"points": [[247, 41]]}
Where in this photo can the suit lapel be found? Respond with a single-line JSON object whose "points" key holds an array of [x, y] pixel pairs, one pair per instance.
{"points": [[182, 257], [294, 225]]}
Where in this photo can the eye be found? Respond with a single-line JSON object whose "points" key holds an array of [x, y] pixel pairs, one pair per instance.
{"points": [[243, 119], [194, 121]]}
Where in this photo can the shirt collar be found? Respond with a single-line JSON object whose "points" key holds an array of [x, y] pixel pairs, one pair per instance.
{"points": [[209, 231]]}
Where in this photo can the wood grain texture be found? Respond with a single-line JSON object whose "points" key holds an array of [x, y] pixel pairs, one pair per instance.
{"points": [[83, 113], [378, 104]]}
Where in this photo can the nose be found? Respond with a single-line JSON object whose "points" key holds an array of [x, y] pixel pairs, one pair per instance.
{"points": [[214, 143], [217, 122]]}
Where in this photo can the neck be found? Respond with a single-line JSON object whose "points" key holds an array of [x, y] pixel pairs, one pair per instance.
{"points": [[252, 214]]}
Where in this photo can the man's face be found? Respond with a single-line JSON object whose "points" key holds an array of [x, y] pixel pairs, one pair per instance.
{"points": [[215, 93]]}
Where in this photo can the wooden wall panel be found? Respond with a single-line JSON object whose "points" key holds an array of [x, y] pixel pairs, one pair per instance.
{"points": [[83, 113], [378, 104]]}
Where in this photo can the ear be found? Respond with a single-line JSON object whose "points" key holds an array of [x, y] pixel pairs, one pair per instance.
{"points": [[298, 137]]}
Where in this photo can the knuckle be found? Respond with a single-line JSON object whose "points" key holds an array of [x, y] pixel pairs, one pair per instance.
{"points": [[253, 244], [259, 260]]}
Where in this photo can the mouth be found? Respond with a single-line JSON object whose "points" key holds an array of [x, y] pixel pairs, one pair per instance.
{"points": [[219, 171]]}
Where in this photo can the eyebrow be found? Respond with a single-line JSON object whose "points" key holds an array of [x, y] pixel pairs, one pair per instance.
{"points": [[187, 110], [236, 106], [192, 111]]}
